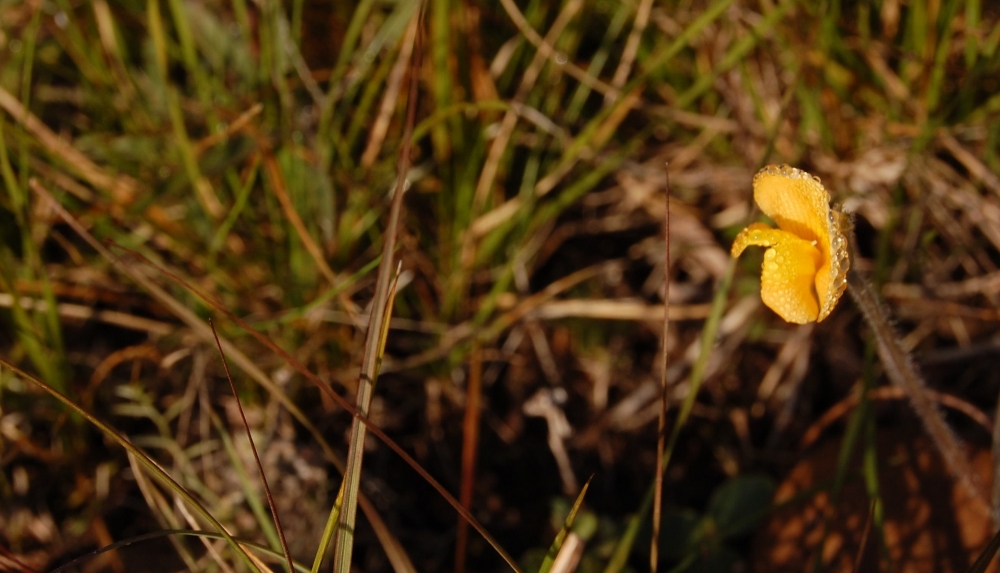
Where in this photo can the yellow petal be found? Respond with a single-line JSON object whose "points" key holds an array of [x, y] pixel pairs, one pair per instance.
{"points": [[787, 281], [799, 204]]}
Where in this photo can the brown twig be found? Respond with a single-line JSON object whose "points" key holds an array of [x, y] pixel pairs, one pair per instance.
{"points": [[237, 125], [84, 312], [840, 409]]}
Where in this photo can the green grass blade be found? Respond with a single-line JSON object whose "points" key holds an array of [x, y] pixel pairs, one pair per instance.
{"points": [[550, 557], [329, 529], [378, 320]]}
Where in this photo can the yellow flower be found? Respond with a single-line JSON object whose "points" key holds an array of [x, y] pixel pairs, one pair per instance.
{"points": [[805, 265]]}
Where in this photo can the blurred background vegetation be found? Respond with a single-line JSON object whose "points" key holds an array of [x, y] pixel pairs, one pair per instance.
{"points": [[249, 147]]}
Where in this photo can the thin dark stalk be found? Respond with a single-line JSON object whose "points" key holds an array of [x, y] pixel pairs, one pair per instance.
{"points": [[256, 457], [661, 427], [470, 443]]}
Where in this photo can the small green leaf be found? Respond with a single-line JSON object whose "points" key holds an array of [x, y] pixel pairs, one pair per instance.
{"points": [[737, 505]]}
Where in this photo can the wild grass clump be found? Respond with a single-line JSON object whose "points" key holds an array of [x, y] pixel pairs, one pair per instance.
{"points": [[171, 161]]}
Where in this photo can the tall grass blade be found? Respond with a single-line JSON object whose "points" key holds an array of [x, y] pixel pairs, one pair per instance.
{"points": [[865, 533], [377, 332], [41, 336], [264, 521]]}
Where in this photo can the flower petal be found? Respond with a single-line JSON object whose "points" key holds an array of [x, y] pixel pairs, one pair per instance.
{"points": [[799, 204], [787, 281]]}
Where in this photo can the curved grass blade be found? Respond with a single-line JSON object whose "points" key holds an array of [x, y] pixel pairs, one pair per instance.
{"points": [[69, 566], [145, 460], [10, 559]]}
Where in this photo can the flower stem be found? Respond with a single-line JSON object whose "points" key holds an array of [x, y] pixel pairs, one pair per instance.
{"points": [[902, 372]]}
